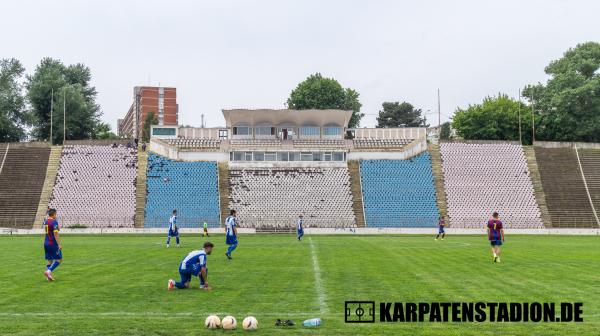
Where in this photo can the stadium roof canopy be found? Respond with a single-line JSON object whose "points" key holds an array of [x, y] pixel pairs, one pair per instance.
{"points": [[272, 117]]}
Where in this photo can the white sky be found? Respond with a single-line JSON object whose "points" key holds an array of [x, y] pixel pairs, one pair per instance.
{"points": [[251, 54]]}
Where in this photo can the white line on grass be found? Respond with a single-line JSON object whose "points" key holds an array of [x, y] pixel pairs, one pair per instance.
{"points": [[318, 282], [145, 314]]}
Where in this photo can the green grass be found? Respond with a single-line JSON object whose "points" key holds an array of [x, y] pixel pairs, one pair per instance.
{"points": [[116, 285]]}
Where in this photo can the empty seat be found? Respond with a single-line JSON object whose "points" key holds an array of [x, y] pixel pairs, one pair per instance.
{"points": [[482, 178], [191, 188], [95, 186], [271, 198], [399, 193]]}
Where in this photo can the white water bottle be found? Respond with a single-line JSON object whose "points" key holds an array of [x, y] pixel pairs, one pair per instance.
{"points": [[315, 322]]}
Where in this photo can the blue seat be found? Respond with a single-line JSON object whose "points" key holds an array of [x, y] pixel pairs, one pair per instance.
{"points": [[399, 193], [189, 187]]}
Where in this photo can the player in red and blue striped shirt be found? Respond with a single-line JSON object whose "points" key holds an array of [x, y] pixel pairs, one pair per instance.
{"points": [[495, 235], [52, 246]]}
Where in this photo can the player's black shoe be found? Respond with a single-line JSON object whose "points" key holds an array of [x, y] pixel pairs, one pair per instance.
{"points": [[228, 256]]}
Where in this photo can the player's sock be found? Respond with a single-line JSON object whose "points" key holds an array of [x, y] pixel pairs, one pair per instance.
{"points": [[231, 248], [48, 266], [177, 240], [54, 265], [168, 240]]}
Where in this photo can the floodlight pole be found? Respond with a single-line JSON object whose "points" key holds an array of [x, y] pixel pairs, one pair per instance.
{"points": [[51, 108], [520, 136], [64, 117]]}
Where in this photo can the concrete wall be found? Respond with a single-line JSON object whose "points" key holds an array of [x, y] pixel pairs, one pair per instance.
{"points": [[323, 231], [410, 150], [288, 164], [557, 144]]}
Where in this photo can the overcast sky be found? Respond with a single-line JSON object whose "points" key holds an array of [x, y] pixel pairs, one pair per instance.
{"points": [[251, 54]]}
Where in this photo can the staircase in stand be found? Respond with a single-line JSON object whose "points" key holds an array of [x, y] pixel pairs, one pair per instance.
{"points": [[536, 180], [140, 194], [356, 188], [51, 171], [224, 189], [438, 175]]}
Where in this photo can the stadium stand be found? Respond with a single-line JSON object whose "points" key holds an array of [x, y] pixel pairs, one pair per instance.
{"points": [[195, 143], [273, 198], [567, 199], [256, 142], [189, 187], [590, 163], [399, 193], [319, 143], [22, 175], [381, 143], [483, 178], [95, 186]]}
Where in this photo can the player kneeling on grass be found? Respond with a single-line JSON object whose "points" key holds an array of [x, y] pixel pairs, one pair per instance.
{"points": [[495, 235], [52, 246], [194, 264]]}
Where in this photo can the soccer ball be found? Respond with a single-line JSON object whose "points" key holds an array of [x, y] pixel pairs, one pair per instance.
{"points": [[212, 322], [229, 323], [250, 323]]}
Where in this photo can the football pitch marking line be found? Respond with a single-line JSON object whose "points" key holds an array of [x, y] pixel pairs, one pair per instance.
{"points": [[318, 281], [148, 314]]}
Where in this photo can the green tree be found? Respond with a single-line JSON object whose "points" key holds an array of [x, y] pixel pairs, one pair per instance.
{"points": [[496, 118], [395, 114], [445, 131], [71, 87], [13, 114], [148, 122], [103, 131], [318, 92], [567, 107]]}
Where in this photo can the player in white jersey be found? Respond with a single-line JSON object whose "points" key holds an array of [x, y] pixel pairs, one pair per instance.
{"points": [[173, 229], [300, 227], [194, 264], [231, 233]]}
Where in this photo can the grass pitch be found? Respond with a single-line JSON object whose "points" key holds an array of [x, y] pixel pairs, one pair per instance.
{"points": [[116, 284]]}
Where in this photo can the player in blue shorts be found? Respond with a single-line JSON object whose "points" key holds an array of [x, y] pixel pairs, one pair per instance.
{"points": [[300, 227], [441, 226], [495, 235], [231, 223], [194, 264], [52, 246], [173, 229]]}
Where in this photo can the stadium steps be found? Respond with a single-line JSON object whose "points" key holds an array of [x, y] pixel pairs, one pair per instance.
{"points": [[51, 172], [21, 182], [438, 175], [590, 164], [140, 194], [356, 188], [566, 197], [536, 181], [224, 189]]}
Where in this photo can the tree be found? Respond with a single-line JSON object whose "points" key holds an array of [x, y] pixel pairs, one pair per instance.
{"points": [[400, 114], [148, 122], [497, 118], [567, 107], [71, 87], [445, 131], [103, 131], [13, 114], [318, 92]]}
